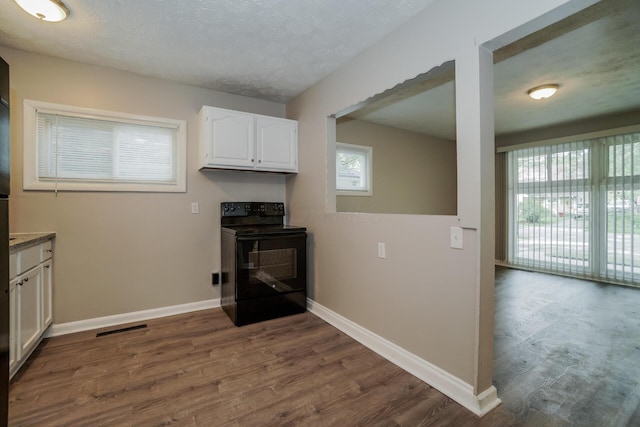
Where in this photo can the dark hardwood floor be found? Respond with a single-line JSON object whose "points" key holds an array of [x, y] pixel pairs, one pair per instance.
{"points": [[567, 351], [199, 369]]}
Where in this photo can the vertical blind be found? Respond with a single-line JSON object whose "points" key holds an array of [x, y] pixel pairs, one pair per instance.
{"points": [[621, 190], [81, 149], [574, 208]]}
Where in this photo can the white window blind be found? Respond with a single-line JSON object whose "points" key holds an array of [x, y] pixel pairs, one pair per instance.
{"points": [[75, 151], [574, 208]]}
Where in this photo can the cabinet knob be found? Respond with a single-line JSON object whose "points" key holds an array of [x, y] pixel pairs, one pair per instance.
{"points": [[26, 279], [252, 160], [20, 283], [49, 250], [47, 266], [259, 161]]}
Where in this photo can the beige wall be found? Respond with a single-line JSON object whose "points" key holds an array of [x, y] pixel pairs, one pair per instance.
{"points": [[124, 252], [592, 124], [433, 301], [412, 173]]}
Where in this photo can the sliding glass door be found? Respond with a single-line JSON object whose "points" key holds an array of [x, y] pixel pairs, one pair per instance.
{"points": [[574, 208]]}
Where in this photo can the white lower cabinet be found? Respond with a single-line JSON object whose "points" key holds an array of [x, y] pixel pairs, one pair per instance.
{"points": [[47, 300], [13, 321], [30, 308]]}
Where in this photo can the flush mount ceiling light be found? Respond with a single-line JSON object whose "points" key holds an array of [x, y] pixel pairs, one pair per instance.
{"points": [[45, 10], [543, 92]]}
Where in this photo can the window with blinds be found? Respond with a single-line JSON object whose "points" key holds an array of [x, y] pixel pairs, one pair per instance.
{"points": [[574, 208], [68, 148]]}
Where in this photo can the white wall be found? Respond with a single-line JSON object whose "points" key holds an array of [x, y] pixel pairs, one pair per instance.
{"points": [[431, 300], [124, 252]]}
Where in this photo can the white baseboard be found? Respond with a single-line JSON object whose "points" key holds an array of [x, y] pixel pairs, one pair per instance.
{"points": [[118, 319], [439, 379]]}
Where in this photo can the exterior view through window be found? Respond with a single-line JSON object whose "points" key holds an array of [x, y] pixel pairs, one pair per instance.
{"points": [[353, 169], [574, 208]]}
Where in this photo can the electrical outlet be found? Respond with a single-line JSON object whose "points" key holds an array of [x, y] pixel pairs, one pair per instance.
{"points": [[195, 208]]}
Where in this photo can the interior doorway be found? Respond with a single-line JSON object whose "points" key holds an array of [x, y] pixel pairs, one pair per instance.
{"points": [[567, 182]]}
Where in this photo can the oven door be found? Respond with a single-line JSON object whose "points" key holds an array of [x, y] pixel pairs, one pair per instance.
{"points": [[268, 265]]}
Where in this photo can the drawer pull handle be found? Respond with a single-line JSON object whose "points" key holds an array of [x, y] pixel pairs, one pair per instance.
{"points": [[26, 279], [20, 283], [47, 266], [49, 250]]}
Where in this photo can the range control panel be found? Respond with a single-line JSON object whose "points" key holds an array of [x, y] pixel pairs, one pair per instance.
{"points": [[228, 209]]}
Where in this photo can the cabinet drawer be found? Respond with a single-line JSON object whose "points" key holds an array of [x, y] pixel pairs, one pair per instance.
{"points": [[13, 265], [28, 258], [47, 250]]}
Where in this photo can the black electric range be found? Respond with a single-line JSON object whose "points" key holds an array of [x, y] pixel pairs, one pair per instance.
{"points": [[263, 262]]}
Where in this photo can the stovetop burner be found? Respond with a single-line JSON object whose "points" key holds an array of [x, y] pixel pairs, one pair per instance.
{"points": [[264, 229], [255, 218]]}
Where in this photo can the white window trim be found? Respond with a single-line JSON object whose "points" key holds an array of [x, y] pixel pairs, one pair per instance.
{"points": [[368, 152], [30, 160]]}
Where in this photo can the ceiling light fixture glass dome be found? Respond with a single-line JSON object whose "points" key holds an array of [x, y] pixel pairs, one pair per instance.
{"points": [[45, 10], [543, 92]]}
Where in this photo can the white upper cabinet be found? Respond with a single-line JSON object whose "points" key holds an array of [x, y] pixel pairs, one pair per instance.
{"points": [[237, 140], [277, 142], [230, 139]]}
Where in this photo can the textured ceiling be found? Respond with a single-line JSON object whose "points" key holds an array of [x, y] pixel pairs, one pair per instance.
{"points": [[270, 49], [594, 56], [275, 49]]}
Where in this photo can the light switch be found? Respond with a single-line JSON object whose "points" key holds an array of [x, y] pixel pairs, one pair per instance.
{"points": [[195, 208], [382, 253], [456, 237]]}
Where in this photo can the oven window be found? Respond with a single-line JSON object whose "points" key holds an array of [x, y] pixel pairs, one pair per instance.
{"points": [[271, 266]]}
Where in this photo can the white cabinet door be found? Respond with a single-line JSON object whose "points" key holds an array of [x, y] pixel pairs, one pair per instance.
{"points": [[14, 354], [229, 137], [29, 311], [30, 302], [46, 250], [47, 308], [277, 143]]}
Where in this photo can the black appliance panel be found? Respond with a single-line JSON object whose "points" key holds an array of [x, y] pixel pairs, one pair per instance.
{"points": [[4, 129], [261, 309], [264, 230], [252, 209], [4, 151], [270, 265], [4, 242], [263, 263]]}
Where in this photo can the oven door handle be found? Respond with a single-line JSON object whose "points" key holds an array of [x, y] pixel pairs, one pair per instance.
{"points": [[271, 236]]}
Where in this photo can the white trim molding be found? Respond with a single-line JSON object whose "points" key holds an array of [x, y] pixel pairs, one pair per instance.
{"points": [[136, 316], [439, 379]]}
